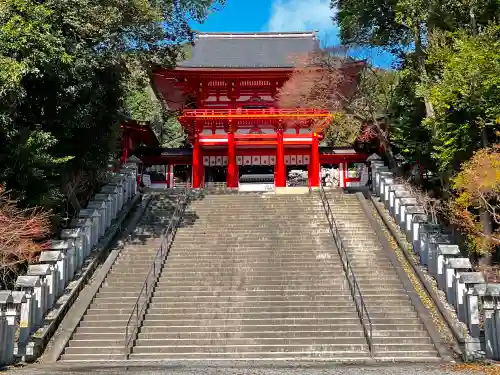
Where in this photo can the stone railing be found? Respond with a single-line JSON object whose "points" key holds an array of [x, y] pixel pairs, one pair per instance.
{"points": [[477, 303], [30, 314]]}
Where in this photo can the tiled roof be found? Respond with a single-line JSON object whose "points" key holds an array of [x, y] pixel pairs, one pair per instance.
{"points": [[249, 50]]}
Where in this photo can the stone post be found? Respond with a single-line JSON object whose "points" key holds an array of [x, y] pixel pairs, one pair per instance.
{"points": [[31, 286], [377, 168], [46, 276], [452, 268], [22, 305], [85, 225], [25, 320], [490, 300], [3, 340], [385, 181], [413, 236], [131, 178], [464, 282], [128, 177], [108, 199], [55, 259], [430, 256], [410, 213], [93, 216], [76, 236], [392, 190], [380, 184], [121, 191], [67, 249], [100, 206], [134, 169], [473, 312], [424, 231], [398, 195], [444, 252], [121, 180], [405, 203], [114, 192], [9, 327], [388, 182]]}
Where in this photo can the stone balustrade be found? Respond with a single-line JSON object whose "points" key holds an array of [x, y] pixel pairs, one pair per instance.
{"points": [[41, 289], [477, 303]]}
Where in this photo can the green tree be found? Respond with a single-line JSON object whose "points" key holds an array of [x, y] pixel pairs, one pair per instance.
{"points": [[466, 94], [64, 79]]}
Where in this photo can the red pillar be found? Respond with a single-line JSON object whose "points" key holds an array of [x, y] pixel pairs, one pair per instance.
{"points": [[280, 169], [197, 163], [126, 146], [314, 167], [232, 168]]}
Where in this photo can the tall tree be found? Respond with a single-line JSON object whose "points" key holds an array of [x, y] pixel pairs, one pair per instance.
{"points": [[63, 79]]}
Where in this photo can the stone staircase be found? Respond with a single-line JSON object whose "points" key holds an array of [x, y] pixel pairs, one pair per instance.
{"points": [[252, 277], [398, 333], [100, 334]]}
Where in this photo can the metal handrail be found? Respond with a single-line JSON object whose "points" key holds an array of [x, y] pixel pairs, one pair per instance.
{"points": [[349, 272], [141, 303]]}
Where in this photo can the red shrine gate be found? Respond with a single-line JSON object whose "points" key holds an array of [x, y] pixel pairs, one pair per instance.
{"points": [[264, 136], [226, 95]]}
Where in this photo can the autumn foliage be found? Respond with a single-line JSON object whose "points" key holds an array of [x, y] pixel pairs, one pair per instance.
{"points": [[320, 80], [477, 189], [21, 236]]}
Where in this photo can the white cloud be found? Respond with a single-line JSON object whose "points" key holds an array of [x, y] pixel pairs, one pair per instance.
{"points": [[302, 15]]}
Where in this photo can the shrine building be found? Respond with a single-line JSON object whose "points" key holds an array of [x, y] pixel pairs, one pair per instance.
{"points": [[226, 96]]}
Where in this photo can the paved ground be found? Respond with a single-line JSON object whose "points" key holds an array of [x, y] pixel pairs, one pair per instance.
{"points": [[248, 369]]}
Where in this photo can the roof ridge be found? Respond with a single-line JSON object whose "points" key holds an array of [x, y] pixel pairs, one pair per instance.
{"points": [[297, 34]]}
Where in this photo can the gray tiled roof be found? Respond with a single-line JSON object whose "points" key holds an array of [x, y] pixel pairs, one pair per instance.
{"points": [[249, 50]]}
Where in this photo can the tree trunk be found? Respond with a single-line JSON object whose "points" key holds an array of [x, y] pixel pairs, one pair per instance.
{"points": [[419, 51]]}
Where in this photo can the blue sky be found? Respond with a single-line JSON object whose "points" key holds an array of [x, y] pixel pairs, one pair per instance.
{"points": [[283, 15]]}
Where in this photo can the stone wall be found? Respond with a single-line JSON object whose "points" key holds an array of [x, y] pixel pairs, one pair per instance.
{"points": [[477, 304], [30, 314]]}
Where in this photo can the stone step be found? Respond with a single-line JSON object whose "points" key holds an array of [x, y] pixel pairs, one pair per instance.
{"points": [[219, 250], [216, 266], [117, 349], [109, 292], [275, 304], [111, 329], [379, 330], [401, 341], [127, 278], [250, 329], [338, 285], [115, 299], [265, 320], [99, 342], [122, 282], [275, 291], [122, 289], [409, 357], [399, 300], [246, 348], [237, 342], [402, 347], [276, 275], [257, 315], [339, 356], [111, 316], [132, 261], [257, 335], [98, 357], [155, 309]]}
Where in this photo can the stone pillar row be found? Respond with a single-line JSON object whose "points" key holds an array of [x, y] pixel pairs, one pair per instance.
{"points": [[22, 311], [477, 304]]}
